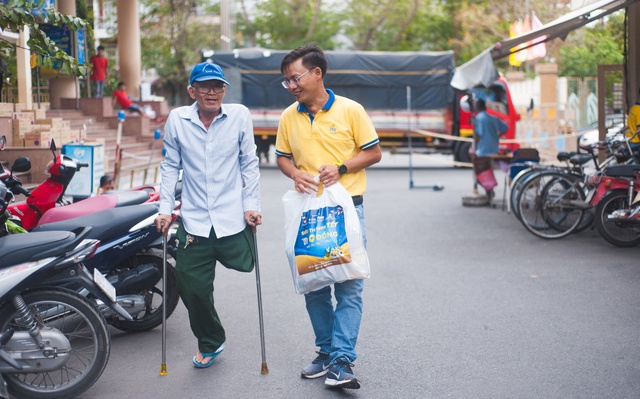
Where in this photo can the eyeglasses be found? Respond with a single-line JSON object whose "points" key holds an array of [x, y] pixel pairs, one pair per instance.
{"points": [[286, 83], [205, 89]]}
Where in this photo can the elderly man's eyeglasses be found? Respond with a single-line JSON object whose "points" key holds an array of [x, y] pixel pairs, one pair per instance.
{"points": [[294, 81], [205, 89]]}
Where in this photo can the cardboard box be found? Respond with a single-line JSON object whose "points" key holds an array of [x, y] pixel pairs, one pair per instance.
{"points": [[24, 116], [40, 113], [53, 122], [6, 130], [38, 138], [6, 110], [21, 127], [43, 105], [20, 107]]}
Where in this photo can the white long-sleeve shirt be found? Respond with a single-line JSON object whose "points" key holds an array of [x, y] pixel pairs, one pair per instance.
{"points": [[220, 174]]}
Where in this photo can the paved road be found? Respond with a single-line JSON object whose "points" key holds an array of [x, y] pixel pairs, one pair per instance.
{"points": [[462, 303]]}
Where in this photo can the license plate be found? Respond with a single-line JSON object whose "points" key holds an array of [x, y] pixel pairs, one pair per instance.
{"points": [[104, 285]]}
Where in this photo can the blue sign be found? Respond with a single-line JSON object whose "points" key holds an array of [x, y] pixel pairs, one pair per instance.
{"points": [[61, 36], [80, 47]]}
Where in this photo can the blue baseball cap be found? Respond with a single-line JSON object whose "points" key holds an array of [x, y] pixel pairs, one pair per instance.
{"points": [[207, 71]]}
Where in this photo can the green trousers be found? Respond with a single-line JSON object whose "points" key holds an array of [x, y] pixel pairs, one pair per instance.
{"points": [[196, 270]]}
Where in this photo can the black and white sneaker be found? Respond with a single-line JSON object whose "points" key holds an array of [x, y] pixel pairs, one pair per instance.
{"points": [[341, 376], [318, 367]]}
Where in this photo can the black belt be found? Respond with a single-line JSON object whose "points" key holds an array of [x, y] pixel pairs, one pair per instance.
{"points": [[357, 200]]}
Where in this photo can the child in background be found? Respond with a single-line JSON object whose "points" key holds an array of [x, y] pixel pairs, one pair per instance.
{"points": [[106, 184], [120, 96]]}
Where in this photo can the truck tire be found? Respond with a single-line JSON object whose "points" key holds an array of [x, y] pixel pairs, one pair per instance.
{"points": [[461, 152]]}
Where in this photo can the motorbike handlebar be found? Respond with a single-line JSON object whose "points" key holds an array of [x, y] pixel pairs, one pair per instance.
{"points": [[18, 189], [82, 165]]}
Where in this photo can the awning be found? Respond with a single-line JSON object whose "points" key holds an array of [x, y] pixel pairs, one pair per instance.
{"points": [[560, 27], [480, 69]]}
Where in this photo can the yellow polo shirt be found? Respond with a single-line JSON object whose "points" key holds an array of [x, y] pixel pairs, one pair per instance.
{"points": [[633, 121], [337, 133]]}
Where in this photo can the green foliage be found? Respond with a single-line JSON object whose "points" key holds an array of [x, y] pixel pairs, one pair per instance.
{"points": [[17, 14], [172, 39], [592, 47], [288, 24]]}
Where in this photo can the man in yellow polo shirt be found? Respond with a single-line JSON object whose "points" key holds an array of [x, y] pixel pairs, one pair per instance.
{"points": [[633, 120], [330, 136]]}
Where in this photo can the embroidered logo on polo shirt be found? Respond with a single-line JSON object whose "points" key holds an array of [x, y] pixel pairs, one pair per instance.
{"points": [[333, 128]]}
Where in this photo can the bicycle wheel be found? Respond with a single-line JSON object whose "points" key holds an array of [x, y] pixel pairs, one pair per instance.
{"points": [[520, 183], [563, 204], [532, 207], [514, 189], [612, 220]]}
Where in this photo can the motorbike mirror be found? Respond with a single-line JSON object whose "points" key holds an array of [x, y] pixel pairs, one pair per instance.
{"points": [[53, 148], [21, 164], [3, 142]]}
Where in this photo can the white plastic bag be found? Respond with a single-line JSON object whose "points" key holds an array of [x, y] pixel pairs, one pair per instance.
{"points": [[323, 239]]}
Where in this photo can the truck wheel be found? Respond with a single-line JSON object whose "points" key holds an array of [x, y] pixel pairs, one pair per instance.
{"points": [[461, 152]]}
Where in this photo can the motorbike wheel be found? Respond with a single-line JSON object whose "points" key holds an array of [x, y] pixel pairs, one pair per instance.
{"points": [[617, 233], [84, 327], [152, 316]]}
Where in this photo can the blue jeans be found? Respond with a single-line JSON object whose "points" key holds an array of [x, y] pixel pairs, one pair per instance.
{"points": [[337, 329], [99, 88]]}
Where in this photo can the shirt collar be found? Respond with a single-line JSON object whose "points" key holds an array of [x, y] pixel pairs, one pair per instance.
{"points": [[191, 113], [327, 105]]}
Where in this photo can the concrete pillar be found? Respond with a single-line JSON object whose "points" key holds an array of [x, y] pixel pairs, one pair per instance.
{"points": [[548, 74], [23, 67], [633, 56], [129, 46], [63, 86]]}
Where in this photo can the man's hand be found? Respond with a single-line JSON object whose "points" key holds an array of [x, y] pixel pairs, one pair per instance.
{"points": [[253, 218], [329, 174], [163, 222], [304, 183]]}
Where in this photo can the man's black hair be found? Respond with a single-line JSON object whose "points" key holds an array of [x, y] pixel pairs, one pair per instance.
{"points": [[481, 105], [312, 56]]}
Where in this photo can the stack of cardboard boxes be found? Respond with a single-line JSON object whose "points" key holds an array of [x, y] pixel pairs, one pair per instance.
{"points": [[31, 128]]}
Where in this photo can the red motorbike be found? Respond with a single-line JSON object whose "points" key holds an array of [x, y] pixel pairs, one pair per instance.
{"points": [[617, 217], [46, 202]]}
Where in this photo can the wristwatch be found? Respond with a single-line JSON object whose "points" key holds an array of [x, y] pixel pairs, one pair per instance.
{"points": [[342, 169]]}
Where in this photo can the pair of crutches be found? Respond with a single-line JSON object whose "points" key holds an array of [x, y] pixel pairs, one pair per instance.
{"points": [[163, 366]]}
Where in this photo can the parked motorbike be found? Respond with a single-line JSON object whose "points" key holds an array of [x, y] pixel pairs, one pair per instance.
{"points": [[126, 234], [46, 202], [127, 256], [54, 343], [617, 218]]}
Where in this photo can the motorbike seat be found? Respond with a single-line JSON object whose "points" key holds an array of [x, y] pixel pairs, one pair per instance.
{"points": [[20, 248], [580, 159], [81, 208], [106, 224], [129, 197], [622, 170]]}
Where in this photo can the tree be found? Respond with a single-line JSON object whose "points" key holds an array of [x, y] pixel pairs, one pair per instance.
{"points": [[591, 47], [16, 14], [172, 40], [280, 24]]}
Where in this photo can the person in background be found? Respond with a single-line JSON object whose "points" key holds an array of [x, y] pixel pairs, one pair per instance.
{"points": [[213, 145], [99, 72], [106, 184], [633, 122], [333, 137], [120, 96], [487, 130]]}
